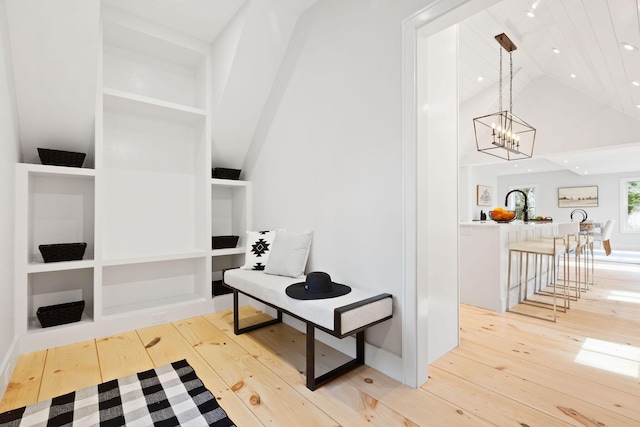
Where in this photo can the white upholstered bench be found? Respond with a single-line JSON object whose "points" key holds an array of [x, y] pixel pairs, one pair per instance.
{"points": [[342, 316]]}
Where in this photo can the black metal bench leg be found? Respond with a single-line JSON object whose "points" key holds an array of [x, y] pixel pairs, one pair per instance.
{"points": [[311, 357], [312, 381], [236, 318]]}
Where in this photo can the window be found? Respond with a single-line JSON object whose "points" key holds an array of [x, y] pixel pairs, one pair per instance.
{"points": [[630, 204], [516, 200]]}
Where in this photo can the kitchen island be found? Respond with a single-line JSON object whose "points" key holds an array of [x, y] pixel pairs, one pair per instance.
{"points": [[484, 260]]}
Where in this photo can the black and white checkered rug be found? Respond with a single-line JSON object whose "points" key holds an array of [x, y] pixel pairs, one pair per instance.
{"points": [[171, 395]]}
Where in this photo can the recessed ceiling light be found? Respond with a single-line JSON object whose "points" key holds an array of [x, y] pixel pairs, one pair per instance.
{"points": [[528, 170], [635, 83], [555, 50], [585, 172], [629, 46], [515, 166], [566, 161], [638, 105], [577, 167], [530, 14], [480, 78], [573, 76]]}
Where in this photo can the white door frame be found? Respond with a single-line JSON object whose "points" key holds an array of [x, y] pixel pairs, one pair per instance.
{"points": [[438, 15]]}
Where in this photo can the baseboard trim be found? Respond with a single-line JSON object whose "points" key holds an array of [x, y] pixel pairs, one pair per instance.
{"points": [[8, 365]]}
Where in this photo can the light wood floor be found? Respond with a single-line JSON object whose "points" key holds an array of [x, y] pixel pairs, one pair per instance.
{"points": [[509, 370]]}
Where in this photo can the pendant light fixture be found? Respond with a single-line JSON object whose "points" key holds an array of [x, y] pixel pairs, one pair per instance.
{"points": [[503, 134]]}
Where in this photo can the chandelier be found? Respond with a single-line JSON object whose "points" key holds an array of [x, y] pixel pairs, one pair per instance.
{"points": [[504, 134]]}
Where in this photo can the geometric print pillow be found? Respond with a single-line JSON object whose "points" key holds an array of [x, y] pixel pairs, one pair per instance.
{"points": [[258, 249]]}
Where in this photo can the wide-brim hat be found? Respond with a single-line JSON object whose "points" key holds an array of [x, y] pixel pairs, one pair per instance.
{"points": [[318, 285]]}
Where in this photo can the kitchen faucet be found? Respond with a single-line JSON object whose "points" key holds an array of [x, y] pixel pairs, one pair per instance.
{"points": [[525, 208]]}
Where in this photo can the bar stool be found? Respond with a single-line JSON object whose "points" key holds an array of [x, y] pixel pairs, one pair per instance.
{"points": [[576, 245], [584, 241], [550, 248], [587, 234]]}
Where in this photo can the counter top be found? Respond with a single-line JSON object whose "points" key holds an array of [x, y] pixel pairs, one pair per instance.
{"points": [[518, 223]]}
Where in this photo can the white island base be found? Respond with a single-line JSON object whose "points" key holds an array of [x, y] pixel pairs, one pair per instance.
{"points": [[484, 260]]}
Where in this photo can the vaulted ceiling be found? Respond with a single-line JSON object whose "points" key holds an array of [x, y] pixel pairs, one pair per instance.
{"points": [[582, 59], [55, 47]]}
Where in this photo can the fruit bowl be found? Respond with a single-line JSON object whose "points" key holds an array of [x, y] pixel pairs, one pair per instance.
{"points": [[502, 215]]}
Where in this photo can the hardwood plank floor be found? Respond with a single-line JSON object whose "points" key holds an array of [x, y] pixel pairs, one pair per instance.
{"points": [[509, 369]]}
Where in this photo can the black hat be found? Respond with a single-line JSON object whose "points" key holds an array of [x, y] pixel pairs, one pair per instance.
{"points": [[317, 286]]}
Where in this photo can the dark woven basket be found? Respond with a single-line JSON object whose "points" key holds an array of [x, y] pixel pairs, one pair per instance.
{"points": [[61, 158], [225, 173], [224, 242], [62, 251], [219, 289], [60, 314]]}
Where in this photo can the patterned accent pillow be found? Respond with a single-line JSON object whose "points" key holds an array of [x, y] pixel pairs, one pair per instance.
{"points": [[259, 245]]}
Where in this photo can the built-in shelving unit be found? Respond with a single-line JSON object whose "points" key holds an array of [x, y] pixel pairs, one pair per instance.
{"points": [[53, 205], [149, 208]]}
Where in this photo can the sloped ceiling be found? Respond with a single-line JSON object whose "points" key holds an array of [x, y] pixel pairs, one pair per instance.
{"points": [[54, 47], [248, 55]]}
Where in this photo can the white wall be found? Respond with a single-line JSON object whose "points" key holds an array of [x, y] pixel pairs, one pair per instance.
{"points": [[470, 178], [437, 189], [247, 56], [9, 145], [547, 199], [327, 154]]}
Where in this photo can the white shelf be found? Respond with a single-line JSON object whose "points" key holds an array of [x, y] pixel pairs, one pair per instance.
{"points": [[155, 258], [228, 251], [151, 305], [48, 170], [217, 182], [131, 103], [41, 267], [36, 328]]}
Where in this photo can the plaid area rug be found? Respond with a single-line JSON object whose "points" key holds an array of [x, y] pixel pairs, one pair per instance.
{"points": [[171, 395]]}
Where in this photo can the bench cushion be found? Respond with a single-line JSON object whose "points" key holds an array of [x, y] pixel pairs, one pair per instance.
{"points": [[271, 289]]}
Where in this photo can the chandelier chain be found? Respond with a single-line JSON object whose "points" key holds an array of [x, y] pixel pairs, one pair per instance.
{"points": [[510, 83], [500, 84]]}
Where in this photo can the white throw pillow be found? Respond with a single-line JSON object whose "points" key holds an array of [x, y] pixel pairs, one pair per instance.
{"points": [[259, 247], [289, 254]]}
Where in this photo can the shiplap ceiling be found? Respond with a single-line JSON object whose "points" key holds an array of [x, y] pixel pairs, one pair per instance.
{"points": [[580, 43], [588, 34]]}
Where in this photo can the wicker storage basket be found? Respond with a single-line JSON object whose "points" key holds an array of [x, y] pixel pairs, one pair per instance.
{"points": [[223, 242], [61, 158], [60, 314], [219, 289], [225, 173], [62, 251]]}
